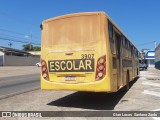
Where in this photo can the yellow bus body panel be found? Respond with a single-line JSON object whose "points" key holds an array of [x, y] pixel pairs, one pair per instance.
{"points": [[92, 28], [98, 86]]}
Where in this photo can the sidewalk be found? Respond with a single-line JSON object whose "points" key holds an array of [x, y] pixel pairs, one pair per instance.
{"points": [[150, 73], [10, 71], [144, 95], [157, 71]]}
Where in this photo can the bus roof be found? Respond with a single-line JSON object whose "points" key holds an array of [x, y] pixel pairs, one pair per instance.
{"points": [[87, 14], [74, 15]]}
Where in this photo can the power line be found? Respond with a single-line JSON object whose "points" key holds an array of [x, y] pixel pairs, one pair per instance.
{"points": [[145, 43], [1, 29], [12, 32], [17, 18], [10, 36], [7, 39]]}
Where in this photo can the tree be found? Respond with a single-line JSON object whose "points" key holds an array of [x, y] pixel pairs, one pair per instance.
{"points": [[36, 48], [29, 47]]}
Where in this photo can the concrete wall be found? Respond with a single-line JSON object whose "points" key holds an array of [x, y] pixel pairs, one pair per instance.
{"points": [[150, 62], [20, 61], [1, 58], [157, 57], [1, 53]]}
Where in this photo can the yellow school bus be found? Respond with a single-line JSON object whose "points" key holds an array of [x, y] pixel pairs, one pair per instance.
{"points": [[86, 52]]}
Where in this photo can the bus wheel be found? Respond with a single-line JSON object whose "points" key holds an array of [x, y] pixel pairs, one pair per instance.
{"points": [[127, 82], [126, 87]]}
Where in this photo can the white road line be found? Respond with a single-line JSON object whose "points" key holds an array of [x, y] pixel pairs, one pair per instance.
{"points": [[151, 83], [143, 78], [152, 93], [156, 118], [19, 92], [156, 110]]}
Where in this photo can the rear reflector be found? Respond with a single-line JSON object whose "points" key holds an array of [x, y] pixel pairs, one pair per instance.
{"points": [[44, 70], [101, 68]]}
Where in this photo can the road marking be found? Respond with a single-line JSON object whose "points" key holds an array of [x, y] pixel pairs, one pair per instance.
{"points": [[18, 79], [152, 93], [13, 84], [19, 92], [143, 78], [156, 110], [156, 118], [151, 83]]}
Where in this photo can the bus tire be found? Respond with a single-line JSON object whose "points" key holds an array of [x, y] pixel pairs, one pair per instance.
{"points": [[127, 82]]}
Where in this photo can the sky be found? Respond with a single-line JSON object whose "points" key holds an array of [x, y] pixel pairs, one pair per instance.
{"points": [[20, 19]]}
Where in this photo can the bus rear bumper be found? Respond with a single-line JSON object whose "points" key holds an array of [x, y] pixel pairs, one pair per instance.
{"points": [[97, 86]]}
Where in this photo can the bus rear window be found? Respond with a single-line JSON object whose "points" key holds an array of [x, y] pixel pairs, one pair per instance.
{"points": [[72, 30]]}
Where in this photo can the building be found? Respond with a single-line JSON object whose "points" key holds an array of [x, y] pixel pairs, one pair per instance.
{"points": [[1, 58], [15, 57], [150, 58], [35, 53], [157, 57], [14, 52]]}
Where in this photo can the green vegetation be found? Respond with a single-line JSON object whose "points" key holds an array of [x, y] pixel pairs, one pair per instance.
{"points": [[29, 47]]}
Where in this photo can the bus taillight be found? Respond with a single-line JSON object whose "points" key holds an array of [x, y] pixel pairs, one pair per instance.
{"points": [[101, 68], [44, 70]]}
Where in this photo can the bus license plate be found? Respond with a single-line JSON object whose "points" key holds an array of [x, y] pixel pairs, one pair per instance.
{"points": [[71, 78]]}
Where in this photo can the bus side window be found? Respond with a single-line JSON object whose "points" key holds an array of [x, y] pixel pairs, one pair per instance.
{"points": [[126, 48], [123, 40], [110, 29], [135, 53], [129, 50], [117, 39], [123, 44]]}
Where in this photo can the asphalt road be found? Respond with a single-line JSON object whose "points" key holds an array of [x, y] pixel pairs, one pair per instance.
{"points": [[13, 85], [144, 95]]}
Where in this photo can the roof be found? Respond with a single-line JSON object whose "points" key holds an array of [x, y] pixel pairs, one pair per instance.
{"points": [[150, 50], [11, 50]]}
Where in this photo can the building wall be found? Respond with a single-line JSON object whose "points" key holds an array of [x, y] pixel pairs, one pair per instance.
{"points": [[150, 57], [151, 63], [157, 57], [35, 52], [1, 58], [20, 61]]}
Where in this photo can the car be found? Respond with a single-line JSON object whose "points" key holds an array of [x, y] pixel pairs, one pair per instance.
{"points": [[38, 64], [142, 66]]}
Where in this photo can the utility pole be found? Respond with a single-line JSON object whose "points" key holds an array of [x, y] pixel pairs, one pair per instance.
{"points": [[30, 43], [155, 44], [10, 44]]}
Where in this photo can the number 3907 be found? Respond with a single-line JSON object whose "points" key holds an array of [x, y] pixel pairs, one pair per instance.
{"points": [[87, 56]]}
